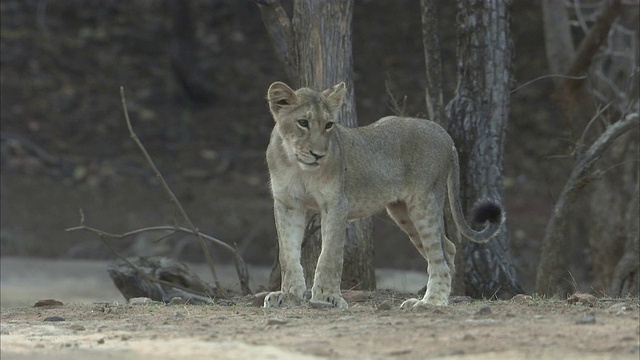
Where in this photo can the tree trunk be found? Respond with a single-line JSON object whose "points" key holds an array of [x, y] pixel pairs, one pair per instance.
{"points": [[321, 57], [479, 112]]}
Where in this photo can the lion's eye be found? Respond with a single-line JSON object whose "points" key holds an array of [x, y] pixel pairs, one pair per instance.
{"points": [[303, 123], [329, 125]]}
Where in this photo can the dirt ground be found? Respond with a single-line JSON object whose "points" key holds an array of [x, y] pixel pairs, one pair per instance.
{"points": [[95, 323]]}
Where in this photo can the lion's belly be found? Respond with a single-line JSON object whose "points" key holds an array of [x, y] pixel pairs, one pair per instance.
{"points": [[364, 207]]}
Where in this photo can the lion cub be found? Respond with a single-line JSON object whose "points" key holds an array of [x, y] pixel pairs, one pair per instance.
{"points": [[407, 166]]}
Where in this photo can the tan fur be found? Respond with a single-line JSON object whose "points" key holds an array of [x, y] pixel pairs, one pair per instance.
{"points": [[404, 165]]}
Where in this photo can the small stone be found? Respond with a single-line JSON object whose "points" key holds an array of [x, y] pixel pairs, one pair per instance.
{"points": [[140, 301], [588, 319], [48, 303], [54, 318], [101, 341], [276, 321], [485, 310]]}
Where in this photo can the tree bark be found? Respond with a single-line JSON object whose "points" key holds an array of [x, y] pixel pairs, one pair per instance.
{"points": [[479, 112], [315, 46]]}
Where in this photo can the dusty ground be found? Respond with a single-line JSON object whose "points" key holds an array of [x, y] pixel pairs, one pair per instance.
{"points": [[98, 324]]}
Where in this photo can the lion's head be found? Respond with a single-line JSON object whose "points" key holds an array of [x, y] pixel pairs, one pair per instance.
{"points": [[305, 119]]}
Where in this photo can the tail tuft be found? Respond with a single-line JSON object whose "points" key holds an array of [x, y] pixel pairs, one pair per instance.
{"points": [[487, 211]]}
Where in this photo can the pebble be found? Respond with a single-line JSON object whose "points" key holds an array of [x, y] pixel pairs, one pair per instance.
{"points": [[54, 318], [47, 302], [485, 310]]}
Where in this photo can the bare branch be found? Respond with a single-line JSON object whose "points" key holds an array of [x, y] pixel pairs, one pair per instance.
{"points": [[166, 188], [394, 105], [153, 228], [204, 296], [547, 277], [590, 44]]}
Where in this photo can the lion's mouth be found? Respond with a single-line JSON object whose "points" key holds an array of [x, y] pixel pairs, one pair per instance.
{"points": [[310, 164]]}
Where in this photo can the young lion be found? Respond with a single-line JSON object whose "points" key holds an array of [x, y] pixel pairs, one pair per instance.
{"points": [[401, 164]]}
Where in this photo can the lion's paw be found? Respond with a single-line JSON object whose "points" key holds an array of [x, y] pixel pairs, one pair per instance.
{"points": [[413, 304], [331, 300], [280, 299]]}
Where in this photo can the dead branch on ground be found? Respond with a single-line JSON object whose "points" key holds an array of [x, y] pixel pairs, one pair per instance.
{"points": [[241, 266]]}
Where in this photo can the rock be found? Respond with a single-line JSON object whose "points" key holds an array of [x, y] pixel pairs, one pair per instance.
{"points": [[131, 284], [54, 318], [48, 303], [485, 310]]}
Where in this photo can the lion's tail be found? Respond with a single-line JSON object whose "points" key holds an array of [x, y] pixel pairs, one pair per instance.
{"points": [[483, 212]]}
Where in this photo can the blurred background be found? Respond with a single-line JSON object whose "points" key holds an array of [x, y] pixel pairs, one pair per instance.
{"points": [[196, 84]]}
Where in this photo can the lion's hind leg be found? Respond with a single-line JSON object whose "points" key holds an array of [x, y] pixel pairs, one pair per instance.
{"points": [[426, 216], [399, 213]]}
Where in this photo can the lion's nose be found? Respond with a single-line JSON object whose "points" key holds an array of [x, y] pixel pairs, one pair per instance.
{"points": [[318, 157]]}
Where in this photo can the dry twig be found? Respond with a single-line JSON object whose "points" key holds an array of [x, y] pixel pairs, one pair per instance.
{"points": [[166, 188], [241, 266]]}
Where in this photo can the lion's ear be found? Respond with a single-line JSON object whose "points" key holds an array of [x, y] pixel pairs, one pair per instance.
{"points": [[335, 96], [279, 96]]}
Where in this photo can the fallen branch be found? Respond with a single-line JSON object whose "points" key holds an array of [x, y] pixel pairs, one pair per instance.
{"points": [[166, 188], [199, 294], [241, 267]]}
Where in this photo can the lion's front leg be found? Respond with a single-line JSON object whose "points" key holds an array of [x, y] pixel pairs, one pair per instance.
{"points": [[326, 283], [290, 223]]}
